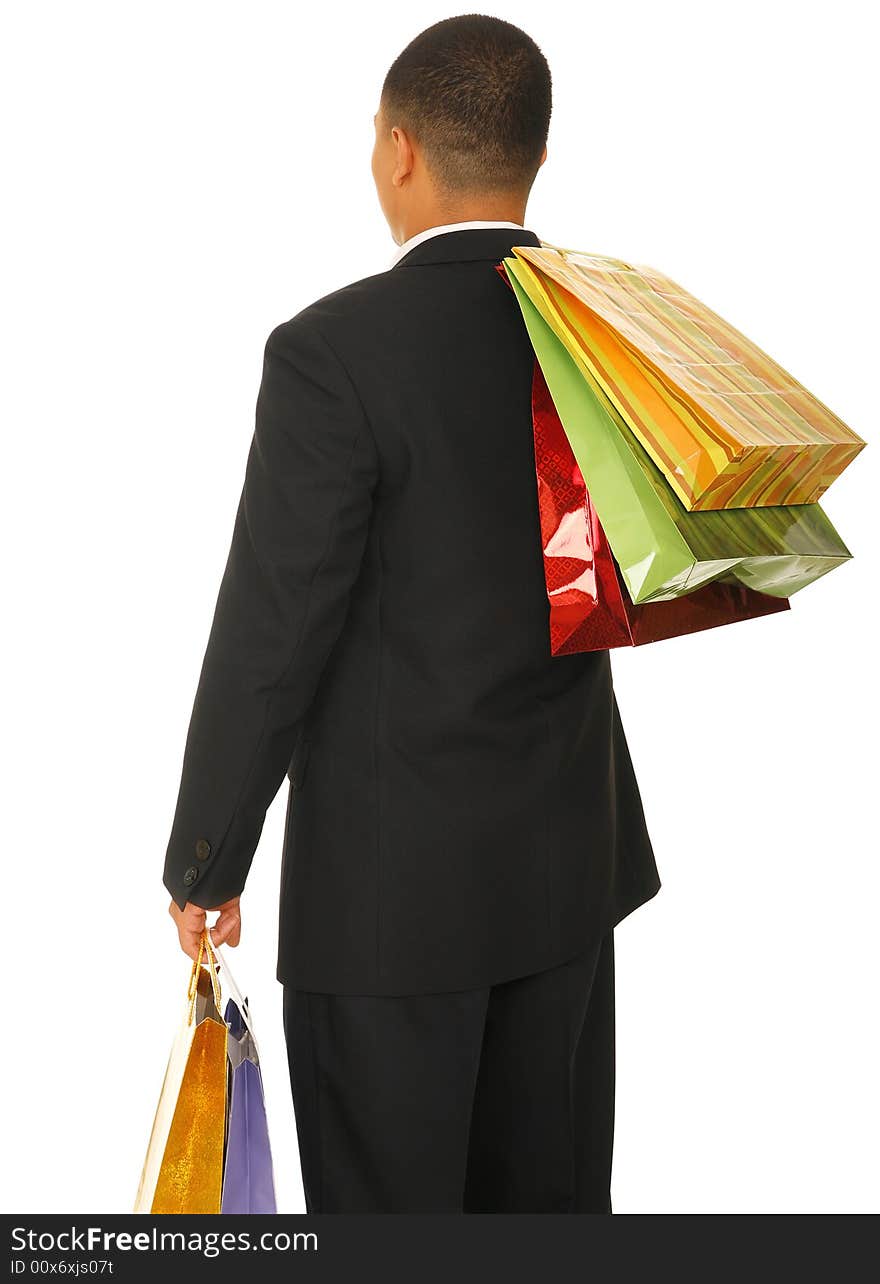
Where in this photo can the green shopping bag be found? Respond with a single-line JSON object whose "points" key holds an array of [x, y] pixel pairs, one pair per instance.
{"points": [[663, 550]]}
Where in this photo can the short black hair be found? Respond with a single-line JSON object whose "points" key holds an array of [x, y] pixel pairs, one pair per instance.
{"points": [[475, 93]]}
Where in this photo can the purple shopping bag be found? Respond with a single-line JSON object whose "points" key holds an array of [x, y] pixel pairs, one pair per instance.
{"points": [[248, 1182]]}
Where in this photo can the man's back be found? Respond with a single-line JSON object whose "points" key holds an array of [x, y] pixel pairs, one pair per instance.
{"points": [[463, 807], [464, 828]]}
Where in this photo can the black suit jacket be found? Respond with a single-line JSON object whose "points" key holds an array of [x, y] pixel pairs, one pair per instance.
{"points": [[462, 806]]}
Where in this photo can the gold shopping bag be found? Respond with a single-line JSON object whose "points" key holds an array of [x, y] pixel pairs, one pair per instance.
{"points": [[726, 425], [183, 1168]]}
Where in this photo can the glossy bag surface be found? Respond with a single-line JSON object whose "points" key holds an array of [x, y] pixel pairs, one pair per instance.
{"points": [[209, 1147], [248, 1181], [197, 1008], [590, 609], [722, 421], [191, 1173], [663, 551]]}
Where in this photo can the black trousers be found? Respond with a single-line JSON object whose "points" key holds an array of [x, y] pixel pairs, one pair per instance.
{"points": [[494, 1100]]}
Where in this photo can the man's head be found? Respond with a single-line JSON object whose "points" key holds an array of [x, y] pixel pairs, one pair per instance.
{"points": [[461, 128]]}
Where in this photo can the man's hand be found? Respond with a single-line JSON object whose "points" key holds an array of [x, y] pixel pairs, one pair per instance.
{"points": [[190, 922]]}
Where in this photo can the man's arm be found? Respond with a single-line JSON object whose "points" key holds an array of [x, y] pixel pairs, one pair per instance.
{"points": [[297, 545]]}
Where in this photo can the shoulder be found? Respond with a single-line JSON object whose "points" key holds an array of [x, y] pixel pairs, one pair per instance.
{"points": [[331, 321]]}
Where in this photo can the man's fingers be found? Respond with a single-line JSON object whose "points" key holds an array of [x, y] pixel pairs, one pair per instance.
{"points": [[234, 934], [189, 938], [189, 922], [219, 933], [192, 919], [189, 943], [227, 929]]}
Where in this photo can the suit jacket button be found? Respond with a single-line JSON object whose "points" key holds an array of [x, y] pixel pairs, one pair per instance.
{"points": [[203, 849], [190, 876]]}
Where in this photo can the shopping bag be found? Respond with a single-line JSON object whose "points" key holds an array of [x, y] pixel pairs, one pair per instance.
{"points": [[248, 1175], [590, 609], [724, 423], [202, 1108], [182, 1172], [248, 1183], [663, 551]]}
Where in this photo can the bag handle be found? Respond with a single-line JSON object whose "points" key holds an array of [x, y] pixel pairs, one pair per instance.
{"points": [[206, 951], [234, 991], [210, 953]]}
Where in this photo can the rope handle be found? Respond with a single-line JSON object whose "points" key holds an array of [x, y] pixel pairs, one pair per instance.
{"points": [[207, 952], [216, 964]]}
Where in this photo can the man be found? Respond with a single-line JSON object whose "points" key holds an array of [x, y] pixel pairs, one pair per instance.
{"points": [[464, 828]]}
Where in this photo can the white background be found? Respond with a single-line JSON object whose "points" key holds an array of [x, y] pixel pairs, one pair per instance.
{"points": [[181, 177]]}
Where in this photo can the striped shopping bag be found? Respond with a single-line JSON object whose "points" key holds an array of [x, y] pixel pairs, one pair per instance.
{"points": [[724, 423]]}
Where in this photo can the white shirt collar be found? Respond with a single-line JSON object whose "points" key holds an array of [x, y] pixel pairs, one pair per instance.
{"points": [[445, 227]]}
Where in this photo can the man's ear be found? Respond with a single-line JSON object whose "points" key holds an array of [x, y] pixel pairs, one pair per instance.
{"points": [[543, 155], [405, 155]]}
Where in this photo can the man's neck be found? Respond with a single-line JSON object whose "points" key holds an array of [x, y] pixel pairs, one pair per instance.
{"points": [[505, 211]]}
